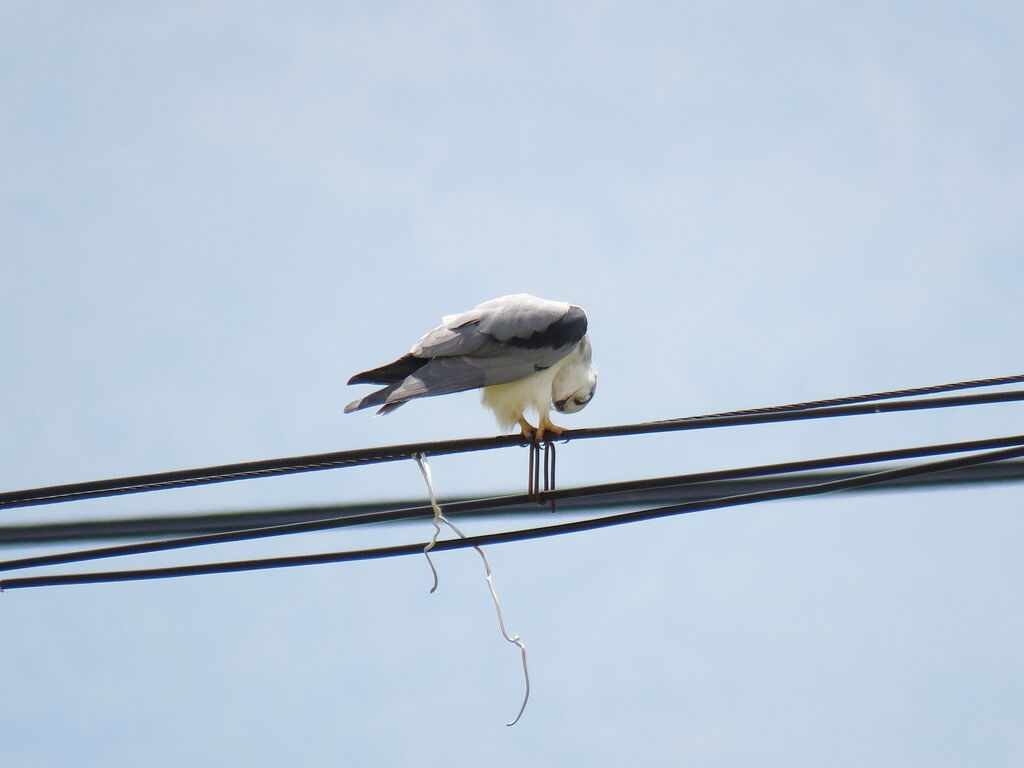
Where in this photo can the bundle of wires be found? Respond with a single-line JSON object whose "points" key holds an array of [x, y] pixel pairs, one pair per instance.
{"points": [[689, 493]]}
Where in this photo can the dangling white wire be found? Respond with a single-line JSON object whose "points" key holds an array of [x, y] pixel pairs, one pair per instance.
{"points": [[438, 518], [421, 461]]}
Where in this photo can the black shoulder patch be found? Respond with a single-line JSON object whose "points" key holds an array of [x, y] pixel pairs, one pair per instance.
{"points": [[566, 331]]}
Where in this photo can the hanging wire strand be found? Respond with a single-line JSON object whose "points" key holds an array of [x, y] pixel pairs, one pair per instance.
{"points": [[497, 503], [439, 516], [879, 402], [882, 476]]}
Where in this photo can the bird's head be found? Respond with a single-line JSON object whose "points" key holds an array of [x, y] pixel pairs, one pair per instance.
{"points": [[576, 382]]}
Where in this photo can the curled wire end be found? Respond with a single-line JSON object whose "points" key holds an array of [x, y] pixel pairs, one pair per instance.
{"points": [[526, 676], [433, 570]]}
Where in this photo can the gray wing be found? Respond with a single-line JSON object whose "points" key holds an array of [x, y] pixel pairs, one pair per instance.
{"points": [[501, 340], [519, 321]]}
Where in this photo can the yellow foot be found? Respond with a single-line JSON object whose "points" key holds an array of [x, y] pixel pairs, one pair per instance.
{"points": [[529, 431], [548, 431], [544, 431]]}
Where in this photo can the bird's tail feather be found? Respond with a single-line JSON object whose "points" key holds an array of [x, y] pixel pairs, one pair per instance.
{"points": [[388, 408], [375, 398], [392, 373]]}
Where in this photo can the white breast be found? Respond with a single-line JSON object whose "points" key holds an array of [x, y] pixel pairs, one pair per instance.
{"points": [[510, 401]]}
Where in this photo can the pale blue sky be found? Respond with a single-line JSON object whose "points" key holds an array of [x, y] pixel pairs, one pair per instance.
{"points": [[212, 214]]}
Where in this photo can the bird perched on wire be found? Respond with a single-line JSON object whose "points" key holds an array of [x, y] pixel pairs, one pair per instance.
{"points": [[525, 353]]}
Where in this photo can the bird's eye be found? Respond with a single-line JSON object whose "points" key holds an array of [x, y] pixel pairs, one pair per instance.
{"points": [[582, 400]]}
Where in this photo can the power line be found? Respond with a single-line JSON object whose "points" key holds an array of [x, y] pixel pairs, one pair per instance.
{"points": [[890, 395], [343, 515], [239, 526], [883, 403], [850, 483]]}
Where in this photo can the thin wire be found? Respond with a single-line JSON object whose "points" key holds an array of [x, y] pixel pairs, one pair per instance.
{"points": [[783, 413], [891, 395], [817, 409], [501, 502], [515, 640], [516, 535], [436, 520]]}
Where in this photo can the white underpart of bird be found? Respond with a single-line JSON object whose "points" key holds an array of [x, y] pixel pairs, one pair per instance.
{"points": [[525, 353]]}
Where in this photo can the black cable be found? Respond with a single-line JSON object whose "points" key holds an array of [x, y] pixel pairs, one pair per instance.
{"points": [[584, 493], [180, 526], [892, 395], [882, 476], [783, 413], [283, 466]]}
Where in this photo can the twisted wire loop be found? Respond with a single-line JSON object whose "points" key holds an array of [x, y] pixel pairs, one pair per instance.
{"points": [[549, 474], [436, 520], [540, 473], [532, 472]]}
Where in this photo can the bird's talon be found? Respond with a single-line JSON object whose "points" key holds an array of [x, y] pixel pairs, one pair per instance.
{"points": [[531, 433], [549, 432]]}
